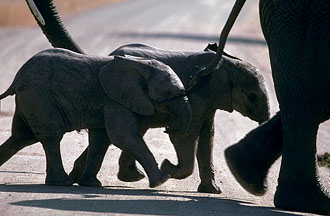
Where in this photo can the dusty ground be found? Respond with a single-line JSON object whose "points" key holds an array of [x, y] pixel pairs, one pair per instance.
{"points": [[171, 24], [16, 12]]}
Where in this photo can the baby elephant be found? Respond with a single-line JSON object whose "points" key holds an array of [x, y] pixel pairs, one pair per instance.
{"points": [[234, 85], [59, 91]]}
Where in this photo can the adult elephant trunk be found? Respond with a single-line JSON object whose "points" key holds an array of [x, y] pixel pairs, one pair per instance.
{"points": [[51, 24]]}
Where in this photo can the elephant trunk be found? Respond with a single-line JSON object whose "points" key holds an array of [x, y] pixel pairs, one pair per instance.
{"points": [[52, 26]]}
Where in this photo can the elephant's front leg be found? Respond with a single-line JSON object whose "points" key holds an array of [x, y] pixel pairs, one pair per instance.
{"points": [[123, 130], [205, 157], [98, 146], [128, 172], [299, 186], [185, 148]]}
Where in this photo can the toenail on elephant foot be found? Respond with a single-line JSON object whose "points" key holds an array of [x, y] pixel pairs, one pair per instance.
{"points": [[210, 187], [130, 175], [89, 182], [162, 179]]}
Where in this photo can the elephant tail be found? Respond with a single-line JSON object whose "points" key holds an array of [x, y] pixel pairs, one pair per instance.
{"points": [[10, 91]]}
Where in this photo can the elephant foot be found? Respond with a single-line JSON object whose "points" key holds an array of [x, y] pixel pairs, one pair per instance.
{"points": [[310, 199], [130, 174], [59, 180], [210, 187], [75, 174], [89, 182], [250, 174], [175, 171], [160, 180]]}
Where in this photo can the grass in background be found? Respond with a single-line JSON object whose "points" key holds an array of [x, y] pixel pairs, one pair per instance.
{"points": [[17, 13]]}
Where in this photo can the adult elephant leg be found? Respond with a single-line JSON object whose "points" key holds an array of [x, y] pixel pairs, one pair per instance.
{"points": [[98, 146], [250, 159], [299, 54], [53, 27], [205, 157], [298, 187]]}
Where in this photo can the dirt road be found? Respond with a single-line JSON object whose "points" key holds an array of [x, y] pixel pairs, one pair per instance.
{"points": [[170, 24]]}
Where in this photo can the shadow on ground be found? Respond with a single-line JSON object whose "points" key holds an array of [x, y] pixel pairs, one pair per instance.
{"points": [[125, 200]]}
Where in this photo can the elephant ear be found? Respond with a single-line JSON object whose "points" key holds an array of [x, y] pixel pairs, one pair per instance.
{"points": [[122, 81]]}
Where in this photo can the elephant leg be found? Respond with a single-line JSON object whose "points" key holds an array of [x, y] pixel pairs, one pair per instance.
{"points": [[205, 158], [55, 171], [250, 159], [128, 172], [79, 166], [185, 148], [21, 137], [96, 137], [299, 188], [98, 146], [123, 130]]}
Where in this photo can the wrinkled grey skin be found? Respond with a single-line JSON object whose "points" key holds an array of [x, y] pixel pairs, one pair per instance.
{"points": [[236, 85], [297, 34], [59, 91]]}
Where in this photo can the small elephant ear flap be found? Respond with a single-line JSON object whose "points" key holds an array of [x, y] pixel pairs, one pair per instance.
{"points": [[123, 83]]}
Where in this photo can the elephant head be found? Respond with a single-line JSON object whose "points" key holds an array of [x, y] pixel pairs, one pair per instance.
{"points": [[138, 83], [249, 94]]}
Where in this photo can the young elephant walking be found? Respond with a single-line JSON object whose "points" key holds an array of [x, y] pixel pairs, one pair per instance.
{"points": [[59, 91], [236, 85]]}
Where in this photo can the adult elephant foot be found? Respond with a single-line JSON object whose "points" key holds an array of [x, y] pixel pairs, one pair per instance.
{"points": [[130, 174], [311, 198], [210, 187], [250, 159]]}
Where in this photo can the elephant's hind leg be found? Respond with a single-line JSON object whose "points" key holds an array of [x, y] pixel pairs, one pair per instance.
{"points": [[55, 171], [21, 137]]}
